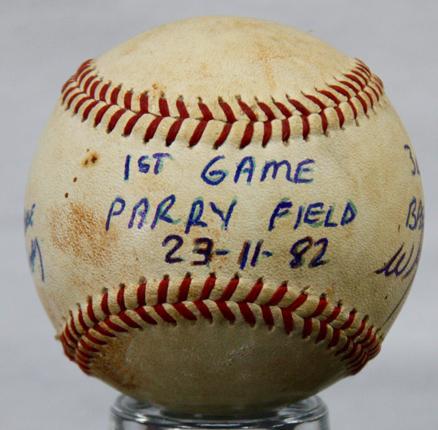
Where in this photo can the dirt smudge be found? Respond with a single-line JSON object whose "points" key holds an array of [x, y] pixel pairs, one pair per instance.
{"points": [[91, 159], [77, 230]]}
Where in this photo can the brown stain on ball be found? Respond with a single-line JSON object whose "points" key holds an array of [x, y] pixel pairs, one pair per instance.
{"points": [[91, 159], [158, 89], [77, 230]]}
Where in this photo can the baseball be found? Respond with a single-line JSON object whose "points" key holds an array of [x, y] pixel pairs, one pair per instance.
{"points": [[223, 215]]}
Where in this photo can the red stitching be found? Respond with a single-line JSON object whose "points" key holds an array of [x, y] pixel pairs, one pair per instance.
{"points": [[349, 85], [128, 100], [102, 331], [184, 289], [352, 353], [340, 116], [93, 88], [73, 327], [267, 132], [115, 96], [247, 110], [86, 346], [322, 107], [182, 109], [102, 111], [86, 87], [363, 103], [278, 295], [223, 136], [283, 109], [144, 103], [298, 302], [361, 65], [230, 289], [320, 308], [131, 123], [370, 98], [81, 320], [354, 78], [90, 311], [335, 338], [115, 327], [79, 104], [322, 334], [267, 316], [247, 313], [206, 114], [128, 321], [185, 312], [208, 287], [285, 130], [82, 76], [344, 349], [141, 312], [88, 82], [103, 91], [254, 292], [84, 356], [267, 111], [247, 135], [84, 65], [162, 290], [203, 309], [72, 99], [115, 119], [349, 321], [66, 93], [226, 311], [173, 131], [287, 320], [379, 84], [67, 336], [307, 327], [359, 72], [299, 107], [97, 341], [141, 294], [67, 84], [152, 128], [229, 114], [104, 303], [334, 315], [360, 329], [93, 339], [121, 298], [88, 109], [316, 100], [358, 345], [197, 134], [306, 126], [164, 107]]}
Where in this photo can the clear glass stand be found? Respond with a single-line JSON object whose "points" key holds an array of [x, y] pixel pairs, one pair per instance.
{"points": [[128, 414]]}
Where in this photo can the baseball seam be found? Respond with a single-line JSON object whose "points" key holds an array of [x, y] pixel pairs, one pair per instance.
{"points": [[150, 114], [92, 326]]}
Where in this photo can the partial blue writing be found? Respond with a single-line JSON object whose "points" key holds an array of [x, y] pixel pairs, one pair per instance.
{"points": [[141, 214], [28, 217], [144, 164], [36, 258], [317, 214], [214, 172]]}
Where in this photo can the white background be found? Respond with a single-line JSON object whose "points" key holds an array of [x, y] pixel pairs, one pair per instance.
{"points": [[42, 43]]}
